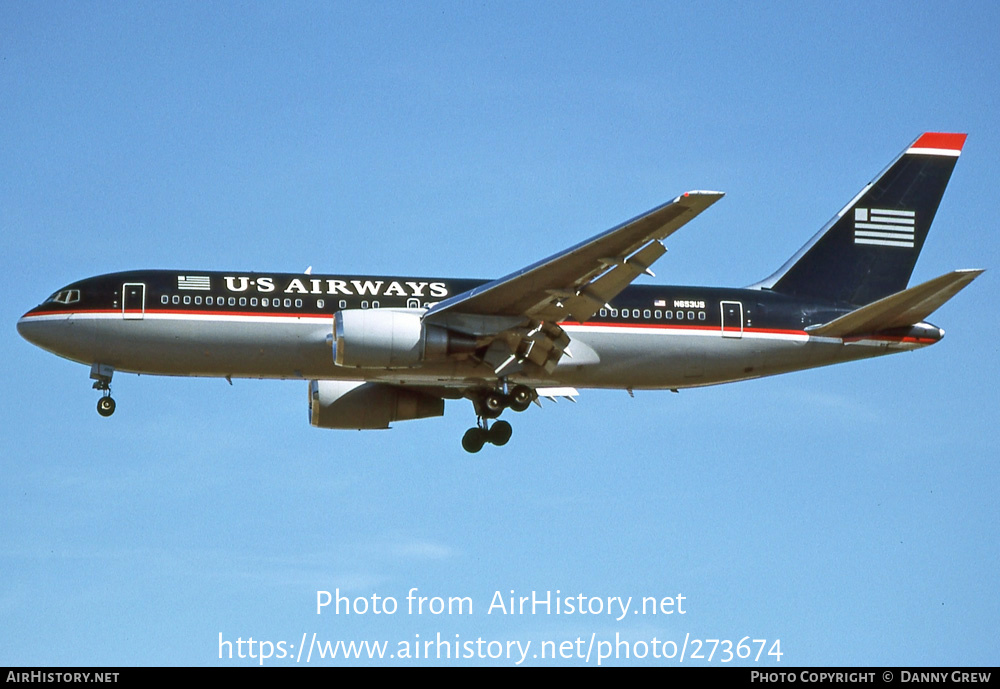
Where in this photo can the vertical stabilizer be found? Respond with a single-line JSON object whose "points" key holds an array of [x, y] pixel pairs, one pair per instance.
{"points": [[868, 250]]}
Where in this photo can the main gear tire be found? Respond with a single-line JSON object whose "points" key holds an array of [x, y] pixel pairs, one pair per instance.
{"points": [[499, 433], [473, 440]]}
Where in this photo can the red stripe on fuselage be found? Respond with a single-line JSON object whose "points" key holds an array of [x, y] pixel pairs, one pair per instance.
{"points": [[705, 328], [636, 326]]}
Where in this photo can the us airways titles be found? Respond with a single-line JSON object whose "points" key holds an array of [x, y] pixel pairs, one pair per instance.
{"points": [[374, 288]]}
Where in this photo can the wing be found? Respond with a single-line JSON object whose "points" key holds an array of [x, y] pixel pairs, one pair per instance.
{"points": [[603, 265], [523, 308]]}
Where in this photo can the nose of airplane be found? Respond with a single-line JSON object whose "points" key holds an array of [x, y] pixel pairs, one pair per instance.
{"points": [[63, 333], [32, 329], [52, 332]]}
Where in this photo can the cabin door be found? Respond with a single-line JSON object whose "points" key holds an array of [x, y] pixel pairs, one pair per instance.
{"points": [[732, 318], [133, 301]]}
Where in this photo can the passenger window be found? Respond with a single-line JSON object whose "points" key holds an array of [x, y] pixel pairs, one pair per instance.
{"points": [[364, 304], [604, 312], [232, 301], [288, 303], [680, 315], [614, 313], [164, 299], [374, 304], [645, 314], [320, 304], [265, 301], [298, 303], [253, 301], [690, 315], [343, 303], [701, 315], [197, 300], [243, 301], [187, 298], [658, 314], [176, 299]]}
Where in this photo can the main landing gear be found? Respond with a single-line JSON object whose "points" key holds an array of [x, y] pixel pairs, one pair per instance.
{"points": [[102, 376], [498, 434], [488, 407]]}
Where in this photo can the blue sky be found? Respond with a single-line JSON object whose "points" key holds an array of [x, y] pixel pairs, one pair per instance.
{"points": [[850, 512]]}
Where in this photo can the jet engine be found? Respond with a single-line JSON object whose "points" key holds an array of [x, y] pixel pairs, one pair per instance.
{"points": [[386, 338], [355, 404]]}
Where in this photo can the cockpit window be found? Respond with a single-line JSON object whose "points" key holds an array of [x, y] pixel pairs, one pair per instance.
{"points": [[66, 296]]}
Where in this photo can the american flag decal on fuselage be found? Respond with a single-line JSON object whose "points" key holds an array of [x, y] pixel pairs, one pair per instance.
{"points": [[197, 282], [883, 227]]}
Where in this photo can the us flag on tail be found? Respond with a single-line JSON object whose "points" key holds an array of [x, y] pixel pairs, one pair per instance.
{"points": [[883, 227]]}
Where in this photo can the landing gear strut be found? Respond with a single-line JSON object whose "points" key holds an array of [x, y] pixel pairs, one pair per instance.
{"points": [[101, 374]]}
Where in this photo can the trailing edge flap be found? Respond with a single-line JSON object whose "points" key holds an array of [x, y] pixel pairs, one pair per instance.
{"points": [[904, 308]]}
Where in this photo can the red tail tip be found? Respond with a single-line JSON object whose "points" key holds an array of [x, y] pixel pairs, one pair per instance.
{"points": [[940, 140]]}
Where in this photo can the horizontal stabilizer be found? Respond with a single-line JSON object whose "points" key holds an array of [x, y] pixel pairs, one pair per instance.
{"points": [[909, 307]]}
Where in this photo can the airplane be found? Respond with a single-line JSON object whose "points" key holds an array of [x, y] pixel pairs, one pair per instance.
{"points": [[377, 350]]}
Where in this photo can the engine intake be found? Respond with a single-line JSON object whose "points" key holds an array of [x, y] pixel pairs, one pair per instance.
{"points": [[387, 338]]}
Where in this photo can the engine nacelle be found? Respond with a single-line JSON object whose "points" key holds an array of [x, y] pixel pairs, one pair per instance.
{"points": [[355, 404], [386, 338]]}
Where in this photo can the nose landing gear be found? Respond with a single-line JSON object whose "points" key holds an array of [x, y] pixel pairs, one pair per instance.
{"points": [[101, 374]]}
